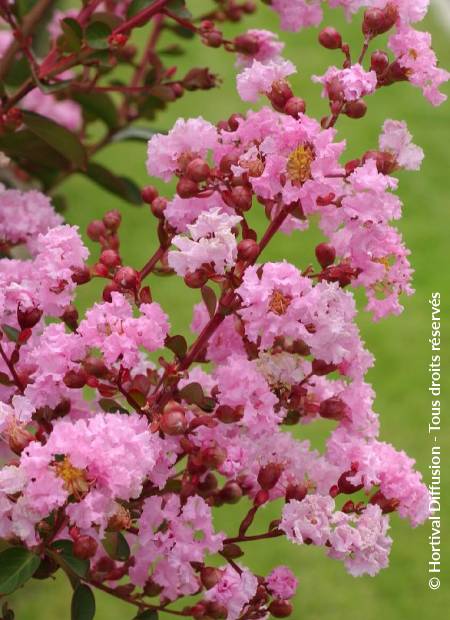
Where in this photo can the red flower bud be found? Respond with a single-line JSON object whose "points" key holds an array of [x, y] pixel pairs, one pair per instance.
{"points": [[261, 497], [330, 38], [378, 21], [197, 278], [81, 275], [95, 366], [213, 38], [227, 161], [173, 420], [96, 229], [295, 106], [379, 61], [75, 379], [213, 457], [269, 475], [333, 409], [198, 170], [246, 44], [127, 278], [241, 197], [85, 547], [110, 258], [70, 316], [296, 491], [28, 317], [109, 288], [186, 188], [112, 220], [158, 207], [231, 493], [325, 254], [280, 608], [355, 109], [248, 250], [149, 194]]}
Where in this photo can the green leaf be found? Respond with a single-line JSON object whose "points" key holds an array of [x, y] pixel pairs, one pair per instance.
{"points": [[147, 614], [58, 137], [65, 550], [83, 603], [4, 379], [178, 7], [141, 134], [120, 186], [138, 5], [172, 50], [98, 106], [193, 394], [72, 34], [96, 34], [116, 546], [111, 406], [11, 332], [24, 146], [209, 299], [17, 565], [177, 344]]}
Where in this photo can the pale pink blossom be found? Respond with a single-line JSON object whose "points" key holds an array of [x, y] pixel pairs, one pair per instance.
{"points": [[282, 583], [353, 82], [259, 78], [269, 47], [397, 140], [234, 590], [297, 14]]}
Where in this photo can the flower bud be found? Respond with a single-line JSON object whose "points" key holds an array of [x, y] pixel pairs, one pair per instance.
{"points": [[198, 170], [321, 368], [85, 547], [231, 493], [81, 275], [248, 250], [351, 166], [19, 438], [232, 551], [216, 611], [109, 288], [378, 21], [227, 162], [173, 420], [186, 188], [213, 38], [269, 475], [296, 491], [241, 197], [96, 229], [196, 279], [280, 608], [110, 258], [213, 457], [330, 38], [127, 278], [112, 220], [120, 520], [347, 487], [152, 588], [158, 207], [246, 44], [28, 317], [348, 507], [325, 254], [75, 379], [261, 497], [294, 107], [280, 94], [228, 415], [70, 317], [210, 576], [333, 409], [13, 118], [149, 193], [379, 61], [117, 41], [355, 109], [95, 366]]}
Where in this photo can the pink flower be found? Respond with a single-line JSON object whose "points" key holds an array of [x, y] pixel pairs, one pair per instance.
{"points": [[187, 139], [212, 242], [25, 215], [397, 140], [282, 583], [269, 47], [234, 590], [352, 83], [64, 112], [416, 56], [309, 519], [297, 14], [187, 536], [183, 211], [259, 78], [225, 341], [112, 328]]}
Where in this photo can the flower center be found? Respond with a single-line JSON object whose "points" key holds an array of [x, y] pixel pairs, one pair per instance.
{"points": [[75, 479], [279, 303], [299, 163]]}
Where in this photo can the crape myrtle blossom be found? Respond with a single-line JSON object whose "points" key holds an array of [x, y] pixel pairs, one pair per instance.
{"points": [[121, 438], [212, 242], [261, 77], [266, 43], [418, 60]]}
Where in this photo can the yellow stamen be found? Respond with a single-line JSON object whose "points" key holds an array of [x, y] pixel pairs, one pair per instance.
{"points": [[75, 479], [299, 163], [279, 303]]}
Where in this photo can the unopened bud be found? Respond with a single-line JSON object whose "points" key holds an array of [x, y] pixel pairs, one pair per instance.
{"points": [[333, 409], [247, 44], [325, 254], [379, 61], [112, 220], [85, 547], [186, 188], [158, 207], [173, 420], [127, 278], [75, 379], [210, 576], [197, 278], [330, 38], [198, 170], [110, 258], [28, 317], [248, 250], [241, 198], [149, 193], [296, 491], [294, 107], [280, 608], [96, 229], [355, 109], [269, 475], [231, 493], [81, 275]]}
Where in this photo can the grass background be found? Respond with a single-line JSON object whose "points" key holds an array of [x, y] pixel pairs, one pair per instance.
{"points": [[400, 376]]}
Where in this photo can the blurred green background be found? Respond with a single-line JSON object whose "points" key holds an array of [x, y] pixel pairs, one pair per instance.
{"points": [[400, 376]]}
